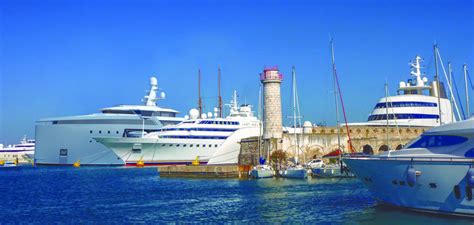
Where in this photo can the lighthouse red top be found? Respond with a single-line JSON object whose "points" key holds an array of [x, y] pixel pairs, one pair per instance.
{"points": [[271, 73]]}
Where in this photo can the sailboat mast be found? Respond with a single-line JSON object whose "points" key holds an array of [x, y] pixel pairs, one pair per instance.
{"points": [[386, 109], [450, 83], [199, 93], [467, 91], [259, 144], [335, 95], [219, 103], [435, 50], [294, 114]]}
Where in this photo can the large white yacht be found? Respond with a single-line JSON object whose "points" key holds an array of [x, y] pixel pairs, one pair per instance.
{"points": [[417, 103], [434, 173], [65, 140], [207, 140], [21, 152]]}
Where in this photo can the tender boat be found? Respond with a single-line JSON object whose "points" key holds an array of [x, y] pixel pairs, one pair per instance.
{"points": [[434, 173], [298, 172], [22, 152], [262, 171]]}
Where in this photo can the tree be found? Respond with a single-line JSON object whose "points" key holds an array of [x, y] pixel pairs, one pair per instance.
{"points": [[278, 157]]}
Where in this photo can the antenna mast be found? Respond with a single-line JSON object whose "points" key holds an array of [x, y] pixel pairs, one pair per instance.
{"points": [[199, 93], [219, 97], [467, 91], [435, 50]]}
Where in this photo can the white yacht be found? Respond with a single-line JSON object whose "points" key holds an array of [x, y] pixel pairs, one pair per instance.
{"points": [[416, 104], [21, 152], [204, 140], [65, 140], [433, 173]]}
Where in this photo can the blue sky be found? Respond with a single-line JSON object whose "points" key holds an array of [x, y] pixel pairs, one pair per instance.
{"points": [[72, 57]]}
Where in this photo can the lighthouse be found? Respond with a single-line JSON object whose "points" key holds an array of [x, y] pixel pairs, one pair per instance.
{"points": [[271, 79]]}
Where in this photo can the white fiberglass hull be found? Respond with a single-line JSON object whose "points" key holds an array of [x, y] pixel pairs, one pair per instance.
{"points": [[156, 152], [434, 189]]}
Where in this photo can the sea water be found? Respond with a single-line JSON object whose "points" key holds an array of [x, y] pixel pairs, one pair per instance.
{"points": [[105, 195]]}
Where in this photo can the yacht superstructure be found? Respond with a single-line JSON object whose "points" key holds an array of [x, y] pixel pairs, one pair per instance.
{"points": [[435, 172], [417, 103], [65, 140], [201, 138], [21, 152]]}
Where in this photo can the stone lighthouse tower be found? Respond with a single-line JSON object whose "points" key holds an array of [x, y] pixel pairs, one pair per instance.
{"points": [[271, 79]]}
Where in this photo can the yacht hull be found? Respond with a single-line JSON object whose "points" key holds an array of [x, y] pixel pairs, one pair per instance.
{"points": [[433, 190], [77, 143], [160, 152], [295, 173], [258, 174]]}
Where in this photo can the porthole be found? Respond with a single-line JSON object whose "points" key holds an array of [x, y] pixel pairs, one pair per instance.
{"points": [[402, 183], [215, 146], [162, 144], [394, 182], [90, 132], [177, 145], [117, 132], [197, 146], [190, 145], [184, 145], [108, 132], [100, 132], [171, 145]]}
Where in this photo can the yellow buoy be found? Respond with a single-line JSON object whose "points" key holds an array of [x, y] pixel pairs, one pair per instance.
{"points": [[140, 162], [2, 162], [196, 161], [77, 163]]}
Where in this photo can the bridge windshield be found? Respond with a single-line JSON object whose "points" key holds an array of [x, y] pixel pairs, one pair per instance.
{"points": [[437, 141]]}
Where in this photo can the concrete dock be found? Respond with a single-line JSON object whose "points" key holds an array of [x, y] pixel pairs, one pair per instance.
{"points": [[206, 171]]}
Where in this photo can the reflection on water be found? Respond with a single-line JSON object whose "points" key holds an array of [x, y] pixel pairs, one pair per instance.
{"points": [[118, 195]]}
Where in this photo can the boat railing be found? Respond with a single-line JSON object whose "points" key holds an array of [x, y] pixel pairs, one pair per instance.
{"points": [[415, 159]]}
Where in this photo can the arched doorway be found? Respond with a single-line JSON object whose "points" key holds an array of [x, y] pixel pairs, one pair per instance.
{"points": [[367, 149], [399, 147], [383, 148]]}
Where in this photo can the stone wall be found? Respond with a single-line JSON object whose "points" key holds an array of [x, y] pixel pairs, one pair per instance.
{"points": [[322, 140]]}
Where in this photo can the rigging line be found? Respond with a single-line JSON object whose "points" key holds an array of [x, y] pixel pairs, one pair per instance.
{"points": [[343, 111], [449, 83], [470, 81], [459, 97]]}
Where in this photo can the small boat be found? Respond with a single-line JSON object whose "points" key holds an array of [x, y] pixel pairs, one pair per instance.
{"points": [[332, 171], [6, 164], [298, 172], [262, 171]]}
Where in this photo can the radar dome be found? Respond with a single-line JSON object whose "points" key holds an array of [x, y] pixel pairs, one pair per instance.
{"points": [[203, 116], [209, 115], [162, 95], [186, 117], [153, 81], [193, 114], [307, 127]]}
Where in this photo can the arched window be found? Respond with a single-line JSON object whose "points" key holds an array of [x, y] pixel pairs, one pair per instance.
{"points": [[383, 148], [367, 149]]}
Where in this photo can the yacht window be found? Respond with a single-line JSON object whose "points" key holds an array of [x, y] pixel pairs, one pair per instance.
{"points": [[177, 145], [100, 132], [204, 146], [197, 145], [437, 141], [190, 145], [215, 146], [116, 132], [184, 145], [171, 145], [110, 111], [163, 145], [90, 132], [108, 132]]}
